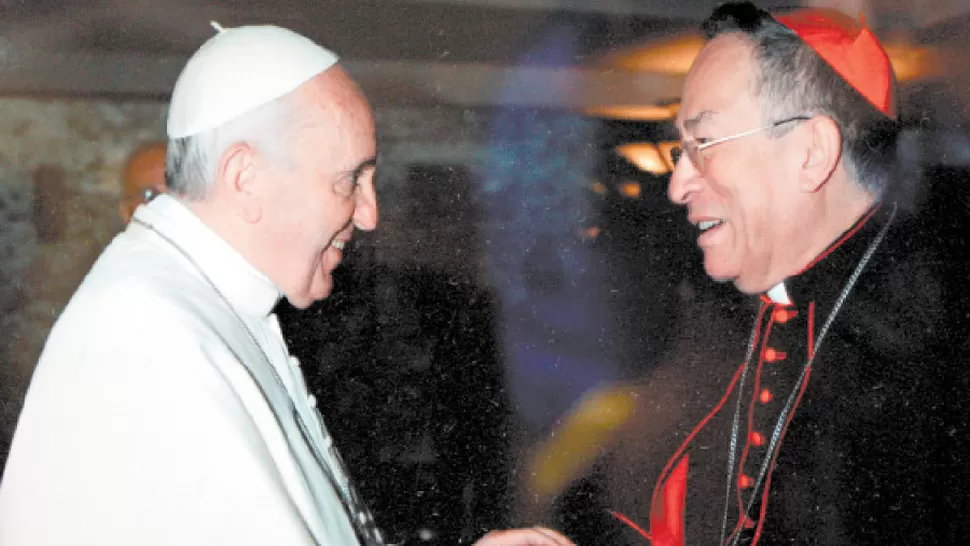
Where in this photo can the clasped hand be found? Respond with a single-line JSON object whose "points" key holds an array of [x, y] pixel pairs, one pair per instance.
{"points": [[535, 536]]}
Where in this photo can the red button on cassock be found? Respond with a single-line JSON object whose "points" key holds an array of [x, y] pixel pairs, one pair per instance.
{"points": [[772, 355], [766, 396], [757, 439]]}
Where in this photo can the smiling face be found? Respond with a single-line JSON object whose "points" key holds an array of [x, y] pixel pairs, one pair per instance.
{"points": [[312, 200], [745, 203]]}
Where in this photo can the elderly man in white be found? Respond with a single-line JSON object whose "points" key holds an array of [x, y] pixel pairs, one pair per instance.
{"points": [[206, 434]]}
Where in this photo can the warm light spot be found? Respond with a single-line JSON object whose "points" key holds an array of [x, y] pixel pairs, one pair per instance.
{"points": [[591, 232], [576, 444], [913, 62], [598, 188], [665, 56], [645, 155], [629, 189], [635, 112], [665, 149]]}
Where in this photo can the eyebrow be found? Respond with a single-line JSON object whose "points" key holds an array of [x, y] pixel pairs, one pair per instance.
{"points": [[691, 124], [364, 165]]}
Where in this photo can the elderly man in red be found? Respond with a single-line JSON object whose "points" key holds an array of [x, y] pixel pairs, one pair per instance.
{"points": [[845, 420]]}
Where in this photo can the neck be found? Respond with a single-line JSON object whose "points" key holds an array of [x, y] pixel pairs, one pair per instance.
{"points": [[832, 211]]}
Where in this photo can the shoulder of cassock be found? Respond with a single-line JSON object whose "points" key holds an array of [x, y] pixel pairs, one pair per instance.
{"points": [[129, 292], [126, 391]]}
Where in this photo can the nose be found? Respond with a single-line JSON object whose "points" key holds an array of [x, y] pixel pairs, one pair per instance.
{"points": [[684, 182], [365, 207]]}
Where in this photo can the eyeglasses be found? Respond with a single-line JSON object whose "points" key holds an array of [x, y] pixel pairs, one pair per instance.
{"points": [[693, 148]]}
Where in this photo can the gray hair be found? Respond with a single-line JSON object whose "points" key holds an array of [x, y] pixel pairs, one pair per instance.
{"points": [[192, 162], [794, 80]]}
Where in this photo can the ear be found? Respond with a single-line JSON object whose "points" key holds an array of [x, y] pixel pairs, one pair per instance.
{"points": [[237, 178], [822, 140]]}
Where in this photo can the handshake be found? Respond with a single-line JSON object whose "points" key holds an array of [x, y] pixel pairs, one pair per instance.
{"points": [[535, 536]]}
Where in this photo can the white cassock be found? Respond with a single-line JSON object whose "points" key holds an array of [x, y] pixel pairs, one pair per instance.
{"points": [[153, 416]]}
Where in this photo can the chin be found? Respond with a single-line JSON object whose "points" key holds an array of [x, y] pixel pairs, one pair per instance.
{"points": [[304, 298], [299, 302], [740, 284], [745, 289], [718, 272], [318, 289], [751, 286], [321, 292]]}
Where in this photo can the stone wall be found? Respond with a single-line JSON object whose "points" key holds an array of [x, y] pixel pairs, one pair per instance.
{"points": [[84, 143], [89, 140]]}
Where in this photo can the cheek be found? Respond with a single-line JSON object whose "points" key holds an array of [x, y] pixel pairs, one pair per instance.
{"points": [[307, 219], [747, 198]]}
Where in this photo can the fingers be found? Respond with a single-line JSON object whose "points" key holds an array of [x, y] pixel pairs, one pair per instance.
{"points": [[536, 536], [556, 538]]}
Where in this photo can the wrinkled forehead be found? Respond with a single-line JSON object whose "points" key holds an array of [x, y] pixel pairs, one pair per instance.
{"points": [[719, 84], [340, 105], [337, 129]]}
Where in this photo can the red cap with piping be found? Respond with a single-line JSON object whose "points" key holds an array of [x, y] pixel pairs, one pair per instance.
{"points": [[851, 49]]}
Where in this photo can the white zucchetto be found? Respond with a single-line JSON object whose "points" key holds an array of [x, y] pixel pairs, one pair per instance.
{"points": [[238, 70]]}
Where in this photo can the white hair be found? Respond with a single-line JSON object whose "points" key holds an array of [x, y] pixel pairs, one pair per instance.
{"points": [[192, 162]]}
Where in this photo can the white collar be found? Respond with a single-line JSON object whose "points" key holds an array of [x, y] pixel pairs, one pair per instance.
{"points": [[779, 294], [248, 290]]}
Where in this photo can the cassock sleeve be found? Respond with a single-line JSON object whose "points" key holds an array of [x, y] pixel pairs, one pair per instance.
{"points": [[130, 436]]}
